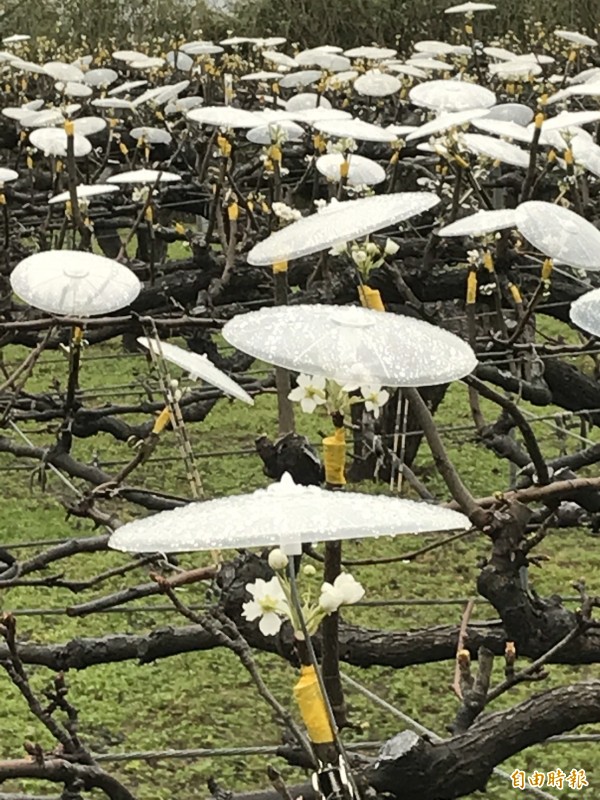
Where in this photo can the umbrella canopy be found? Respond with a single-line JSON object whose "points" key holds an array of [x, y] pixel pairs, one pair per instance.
{"points": [[361, 171], [496, 149], [352, 345], [340, 222], [72, 282], [83, 192], [451, 95], [375, 83], [285, 515], [560, 234], [585, 312], [480, 223], [144, 176], [199, 366]]}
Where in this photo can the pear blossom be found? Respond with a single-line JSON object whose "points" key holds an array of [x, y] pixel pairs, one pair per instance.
{"points": [[310, 392], [344, 591], [286, 213], [391, 248], [269, 605], [278, 559], [375, 398]]}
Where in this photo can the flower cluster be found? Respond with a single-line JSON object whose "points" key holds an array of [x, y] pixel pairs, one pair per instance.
{"points": [[271, 602], [314, 391], [366, 255], [286, 213]]}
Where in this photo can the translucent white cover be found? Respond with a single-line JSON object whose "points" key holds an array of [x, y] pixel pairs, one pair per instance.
{"points": [[451, 95], [342, 222], [144, 176], [560, 234], [585, 312], [375, 83], [199, 366], [352, 345], [85, 191], [497, 149], [361, 171], [284, 514], [481, 222], [222, 117], [72, 282]]}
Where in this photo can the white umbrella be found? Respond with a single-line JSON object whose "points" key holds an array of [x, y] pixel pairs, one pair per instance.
{"points": [[307, 100], [585, 312], [222, 117], [199, 366], [53, 142], [126, 87], [375, 83], [445, 122], [576, 38], [301, 78], [354, 129], [84, 192], [517, 113], [100, 77], [496, 149], [560, 234], [340, 222], [72, 282], [370, 53], [88, 126], [152, 135], [361, 171], [451, 95], [282, 130], [481, 222], [144, 176], [469, 8], [505, 129], [285, 515], [7, 175], [352, 345]]}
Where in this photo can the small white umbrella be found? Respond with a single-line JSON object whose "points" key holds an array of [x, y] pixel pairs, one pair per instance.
{"points": [[128, 86], [480, 223], [340, 222], [354, 129], [84, 192], [361, 171], [53, 142], [285, 515], [517, 113], [144, 176], [222, 117], [370, 53], [352, 345], [199, 366], [282, 130], [152, 135], [100, 77], [307, 100], [560, 234], [63, 72], [301, 78], [585, 312], [375, 83], [496, 149], [576, 38], [445, 122], [72, 282], [88, 126], [507, 130], [7, 175], [469, 8], [451, 95]]}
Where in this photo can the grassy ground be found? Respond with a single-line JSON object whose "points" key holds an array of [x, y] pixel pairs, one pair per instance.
{"points": [[205, 700]]}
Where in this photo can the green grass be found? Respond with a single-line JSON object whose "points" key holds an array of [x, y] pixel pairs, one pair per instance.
{"points": [[200, 700]]}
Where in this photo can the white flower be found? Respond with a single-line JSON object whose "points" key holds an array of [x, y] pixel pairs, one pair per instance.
{"points": [[391, 248], [344, 591], [375, 398], [277, 559], [310, 392], [269, 605], [285, 212], [338, 249]]}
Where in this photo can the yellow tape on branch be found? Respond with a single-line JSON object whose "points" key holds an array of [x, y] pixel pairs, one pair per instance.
{"points": [[334, 456], [312, 707], [161, 421], [77, 335], [344, 168], [547, 269], [471, 288], [488, 261], [516, 294], [370, 298], [280, 266]]}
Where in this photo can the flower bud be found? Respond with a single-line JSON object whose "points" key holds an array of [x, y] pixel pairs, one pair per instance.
{"points": [[309, 570], [278, 560]]}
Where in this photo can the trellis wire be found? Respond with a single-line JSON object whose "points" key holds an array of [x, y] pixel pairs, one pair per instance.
{"points": [[423, 731]]}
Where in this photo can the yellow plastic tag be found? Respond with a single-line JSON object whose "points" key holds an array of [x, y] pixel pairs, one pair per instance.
{"points": [[547, 267], [370, 298], [471, 287], [161, 421], [69, 127], [334, 457], [312, 707], [516, 294], [233, 212], [488, 261], [280, 266]]}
